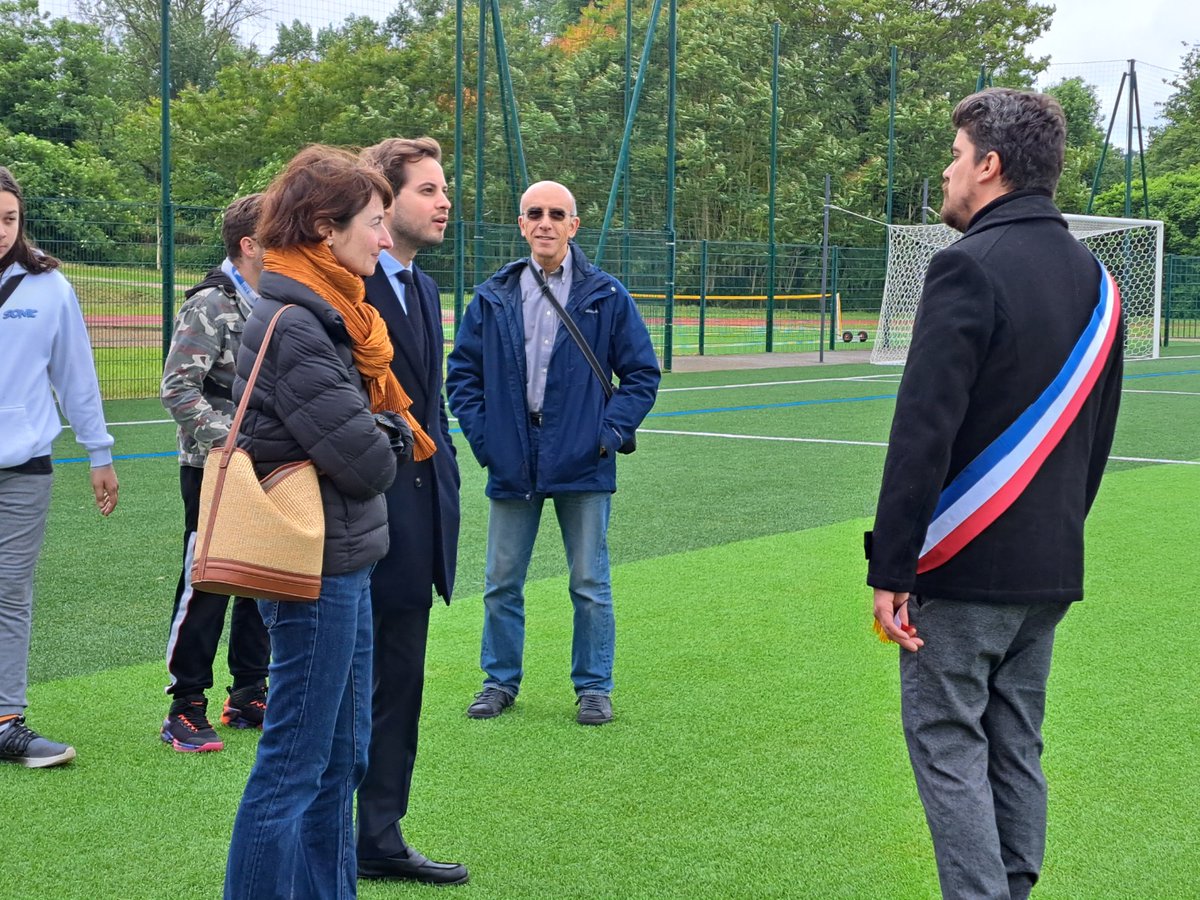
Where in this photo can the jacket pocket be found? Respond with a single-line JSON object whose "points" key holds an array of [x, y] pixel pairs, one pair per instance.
{"points": [[17, 440]]}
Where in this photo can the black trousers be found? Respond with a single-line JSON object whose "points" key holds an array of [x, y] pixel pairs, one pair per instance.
{"points": [[399, 676], [198, 618]]}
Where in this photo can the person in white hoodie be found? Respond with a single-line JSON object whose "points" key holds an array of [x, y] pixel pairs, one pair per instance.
{"points": [[44, 355]]}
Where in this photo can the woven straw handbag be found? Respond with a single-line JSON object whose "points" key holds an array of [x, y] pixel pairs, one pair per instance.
{"points": [[258, 538]]}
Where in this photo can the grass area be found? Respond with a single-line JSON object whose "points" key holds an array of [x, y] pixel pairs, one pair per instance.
{"points": [[757, 748]]}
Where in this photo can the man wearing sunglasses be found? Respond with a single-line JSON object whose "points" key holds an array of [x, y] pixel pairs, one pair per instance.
{"points": [[540, 420]]}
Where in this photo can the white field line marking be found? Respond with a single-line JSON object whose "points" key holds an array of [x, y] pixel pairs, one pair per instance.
{"points": [[1176, 393], [763, 437], [797, 440], [144, 422], [722, 387]]}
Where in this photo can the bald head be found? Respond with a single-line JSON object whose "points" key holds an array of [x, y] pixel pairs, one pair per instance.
{"points": [[548, 222], [545, 188]]}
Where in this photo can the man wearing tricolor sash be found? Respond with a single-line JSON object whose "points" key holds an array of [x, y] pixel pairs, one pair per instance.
{"points": [[1003, 424]]}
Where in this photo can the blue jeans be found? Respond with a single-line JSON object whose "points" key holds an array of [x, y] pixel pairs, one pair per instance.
{"points": [[512, 529], [294, 832]]}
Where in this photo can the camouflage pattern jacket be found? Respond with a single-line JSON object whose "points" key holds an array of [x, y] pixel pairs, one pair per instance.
{"points": [[197, 383]]}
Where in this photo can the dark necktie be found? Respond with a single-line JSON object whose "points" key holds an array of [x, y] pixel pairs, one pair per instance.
{"points": [[412, 305]]}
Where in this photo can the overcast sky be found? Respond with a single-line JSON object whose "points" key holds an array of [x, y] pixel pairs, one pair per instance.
{"points": [[1151, 31], [1095, 39]]}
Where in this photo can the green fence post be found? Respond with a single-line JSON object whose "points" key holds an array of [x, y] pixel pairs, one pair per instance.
{"points": [[669, 311], [771, 187], [460, 259], [833, 291], [480, 126], [1170, 279], [891, 150], [623, 155], [167, 235], [703, 289]]}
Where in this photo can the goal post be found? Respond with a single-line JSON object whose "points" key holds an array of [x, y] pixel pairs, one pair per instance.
{"points": [[1131, 250]]}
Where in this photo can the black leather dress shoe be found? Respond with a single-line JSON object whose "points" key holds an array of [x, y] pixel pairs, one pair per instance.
{"points": [[410, 865]]}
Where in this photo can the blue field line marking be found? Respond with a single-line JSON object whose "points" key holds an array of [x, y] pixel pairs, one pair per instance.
{"points": [[80, 459], [1162, 374]]}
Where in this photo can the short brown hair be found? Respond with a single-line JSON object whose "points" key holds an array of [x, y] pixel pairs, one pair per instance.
{"points": [[322, 185], [240, 220], [34, 261], [1027, 130], [393, 156]]}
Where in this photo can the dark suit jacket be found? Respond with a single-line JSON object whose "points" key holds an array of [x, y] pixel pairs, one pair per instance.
{"points": [[1000, 312], [423, 501]]}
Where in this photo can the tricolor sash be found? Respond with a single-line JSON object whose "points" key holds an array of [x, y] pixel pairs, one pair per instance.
{"points": [[993, 480]]}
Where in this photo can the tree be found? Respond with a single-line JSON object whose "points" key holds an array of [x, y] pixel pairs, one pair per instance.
{"points": [[62, 80], [62, 184], [1174, 198], [1175, 145], [1085, 140], [204, 35]]}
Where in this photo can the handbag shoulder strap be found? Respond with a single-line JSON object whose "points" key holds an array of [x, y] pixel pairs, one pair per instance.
{"points": [[10, 286], [574, 330], [235, 426]]}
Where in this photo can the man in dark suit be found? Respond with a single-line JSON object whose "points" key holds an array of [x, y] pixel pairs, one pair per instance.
{"points": [[422, 514], [1003, 425]]}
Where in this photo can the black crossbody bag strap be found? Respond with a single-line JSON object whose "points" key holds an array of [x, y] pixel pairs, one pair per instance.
{"points": [[10, 286], [630, 444], [574, 330]]}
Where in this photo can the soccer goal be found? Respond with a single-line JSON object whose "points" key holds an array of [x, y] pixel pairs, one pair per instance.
{"points": [[1131, 250]]}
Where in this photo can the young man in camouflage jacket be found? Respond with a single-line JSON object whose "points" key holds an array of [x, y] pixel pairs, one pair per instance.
{"points": [[197, 390]]}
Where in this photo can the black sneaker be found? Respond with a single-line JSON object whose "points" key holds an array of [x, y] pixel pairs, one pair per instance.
{"points": [[594, 709], [245, 707], [21, 744], [489, 703], [187, 728]]}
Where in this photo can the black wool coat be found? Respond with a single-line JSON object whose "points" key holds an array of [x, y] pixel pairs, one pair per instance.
{"points": [[1001, 310], [423, 502], [309, 403]]}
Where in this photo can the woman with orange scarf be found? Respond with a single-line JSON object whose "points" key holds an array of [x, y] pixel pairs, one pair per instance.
{"points": [[325, 392]]}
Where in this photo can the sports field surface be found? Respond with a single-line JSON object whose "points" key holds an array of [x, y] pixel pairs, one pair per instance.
{"points": [[756, 750]]}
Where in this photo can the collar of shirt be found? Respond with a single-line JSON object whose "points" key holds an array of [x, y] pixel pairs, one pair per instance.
{"points": [[563, 271], [391, 266], [248, 294]]}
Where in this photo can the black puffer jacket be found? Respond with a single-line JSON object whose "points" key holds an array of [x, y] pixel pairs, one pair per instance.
{"points": [[309, 402]]}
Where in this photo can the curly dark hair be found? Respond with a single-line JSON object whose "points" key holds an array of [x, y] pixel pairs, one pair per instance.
{"points": [[1027, 130]]}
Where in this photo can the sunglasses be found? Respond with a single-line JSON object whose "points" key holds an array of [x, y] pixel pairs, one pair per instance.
{"points": [[535, 212]]}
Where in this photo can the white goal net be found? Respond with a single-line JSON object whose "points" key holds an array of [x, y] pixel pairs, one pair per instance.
{"points": [[1131, 250]]}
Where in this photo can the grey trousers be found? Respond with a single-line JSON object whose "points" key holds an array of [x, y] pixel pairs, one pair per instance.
{"points": [[24, 506], [972, 703]]}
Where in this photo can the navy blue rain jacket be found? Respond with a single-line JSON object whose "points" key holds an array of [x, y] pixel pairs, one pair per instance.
{"points": [[485, 384]]}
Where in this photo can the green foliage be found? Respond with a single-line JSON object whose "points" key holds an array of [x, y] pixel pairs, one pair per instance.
{"points": [[1175, 146], [204, 36], [1174, 198], [74, 178], [238, 114], [62, 81], [1085, 140]]}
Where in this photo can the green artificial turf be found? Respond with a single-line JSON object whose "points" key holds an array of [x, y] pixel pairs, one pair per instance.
{"points": [[756, 750]]}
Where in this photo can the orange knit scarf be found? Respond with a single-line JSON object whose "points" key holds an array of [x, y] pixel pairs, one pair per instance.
{"points": [[315, 267]]}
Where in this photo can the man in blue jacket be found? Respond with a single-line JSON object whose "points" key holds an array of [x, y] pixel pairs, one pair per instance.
{"points": [[539, 419], [1003, 424]]}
